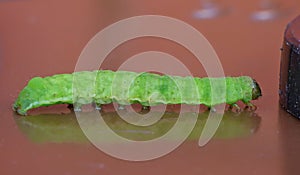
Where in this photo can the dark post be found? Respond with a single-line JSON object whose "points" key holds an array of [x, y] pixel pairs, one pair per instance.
{"points": [[289, 87]]}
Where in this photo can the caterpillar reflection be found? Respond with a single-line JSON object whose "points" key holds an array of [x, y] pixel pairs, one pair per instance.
{"points": [[123, 87]]}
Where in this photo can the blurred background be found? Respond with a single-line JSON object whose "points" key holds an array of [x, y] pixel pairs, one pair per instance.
{"points": [[48, 32], [42, 38]]}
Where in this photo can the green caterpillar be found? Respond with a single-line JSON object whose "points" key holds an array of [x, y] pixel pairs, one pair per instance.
{"points": [[123, 87]]}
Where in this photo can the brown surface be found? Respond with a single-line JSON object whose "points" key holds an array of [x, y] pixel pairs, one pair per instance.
{"points": [[44, 38]]}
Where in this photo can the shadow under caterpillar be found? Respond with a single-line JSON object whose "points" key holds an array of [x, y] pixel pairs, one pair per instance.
{"points": [[56, 128]]}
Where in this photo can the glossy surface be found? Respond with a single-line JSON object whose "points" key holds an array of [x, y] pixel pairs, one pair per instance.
{"points": [[53, 128], [44, 38]]}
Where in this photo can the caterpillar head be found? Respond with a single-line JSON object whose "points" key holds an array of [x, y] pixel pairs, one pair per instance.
{"points": [[256, 91]]}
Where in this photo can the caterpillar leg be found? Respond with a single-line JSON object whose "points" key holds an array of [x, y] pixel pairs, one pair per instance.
{"points": [[77, 107], [234, 107], [121, 107], [97, 106], [212, 109], [145, 109], [250, 106], [21, 112], [15, 107]]}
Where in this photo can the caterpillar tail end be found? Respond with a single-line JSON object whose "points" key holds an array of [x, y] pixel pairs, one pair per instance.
{"points": [[15, 107], [18, 110]]}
